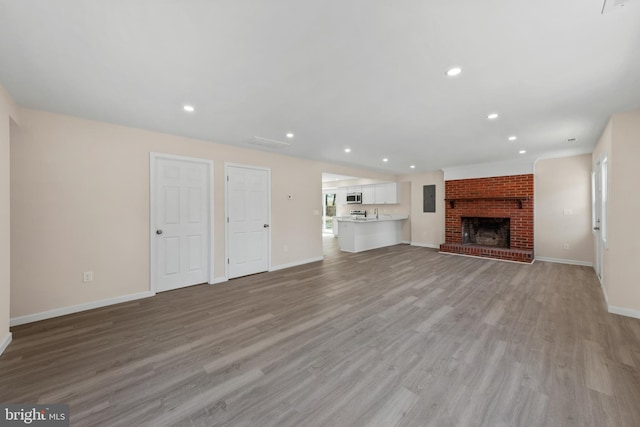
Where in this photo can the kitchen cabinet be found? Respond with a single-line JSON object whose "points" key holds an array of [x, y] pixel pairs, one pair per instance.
{"points": [[391, 194], [364, 234], [372, 194], [368, 196], [380, 194], [386, 193]]}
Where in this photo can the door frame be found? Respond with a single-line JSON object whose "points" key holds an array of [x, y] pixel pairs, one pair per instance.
{"points": [[599, 217], [227, 165], [153, 158]]}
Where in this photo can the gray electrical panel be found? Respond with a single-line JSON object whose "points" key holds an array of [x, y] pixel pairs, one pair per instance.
{"points": [[429, 198]]}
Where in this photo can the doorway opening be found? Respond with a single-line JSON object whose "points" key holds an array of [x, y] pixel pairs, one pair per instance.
{"points": [[328, 211]]}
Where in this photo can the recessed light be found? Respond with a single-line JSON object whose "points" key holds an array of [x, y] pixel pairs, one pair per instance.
{"points": [[522, 151], [512, 138], [347, 150], [455, 71], [289, 135], [189, 108], [492, 116], [412, 166], [385, 160]]}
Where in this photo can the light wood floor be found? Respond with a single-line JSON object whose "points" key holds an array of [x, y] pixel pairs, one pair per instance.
{"points": [[395, 336]]}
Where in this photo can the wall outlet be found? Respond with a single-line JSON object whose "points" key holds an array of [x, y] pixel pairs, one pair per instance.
{"points": [[567, 212], [87, 276], [565, 246]]}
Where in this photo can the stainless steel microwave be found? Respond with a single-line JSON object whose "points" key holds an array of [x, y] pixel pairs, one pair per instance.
{"points": [[354, 198]]}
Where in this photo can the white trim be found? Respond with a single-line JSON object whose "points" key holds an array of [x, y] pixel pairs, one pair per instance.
{"points": [[77, 308], [564, 261], [5, 342], [425, 245], [491, 259], [604, 291], [624, 311], [153, 157], [226, 211], [218, 280], [296, 263]]}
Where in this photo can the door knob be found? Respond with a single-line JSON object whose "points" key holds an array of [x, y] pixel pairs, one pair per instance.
{"points": [[158, 232], [596, 228], [266, 226]]}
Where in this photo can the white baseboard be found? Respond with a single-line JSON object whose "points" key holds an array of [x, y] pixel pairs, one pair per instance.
{"points": [[617, 310], [219, 280], [425, 245], [624, 311], [296, 263], [5, 342], [604, 291], [564, 261], [21, 320]]}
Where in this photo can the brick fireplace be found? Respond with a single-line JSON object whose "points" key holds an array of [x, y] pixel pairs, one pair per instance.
{"points": [[490, 217]]}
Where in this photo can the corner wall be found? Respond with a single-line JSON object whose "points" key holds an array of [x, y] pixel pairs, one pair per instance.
{"points": [[621, 269], [8, 112], [563, 210]]}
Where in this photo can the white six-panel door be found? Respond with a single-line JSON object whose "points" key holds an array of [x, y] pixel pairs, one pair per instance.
{"points": [[181, 228], [247, 220]]}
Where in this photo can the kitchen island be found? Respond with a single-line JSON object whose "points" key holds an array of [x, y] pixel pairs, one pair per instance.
{"points": [[363, 234]]}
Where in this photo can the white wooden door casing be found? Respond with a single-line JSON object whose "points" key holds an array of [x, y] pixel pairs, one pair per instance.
{"points": [[599, 212]]}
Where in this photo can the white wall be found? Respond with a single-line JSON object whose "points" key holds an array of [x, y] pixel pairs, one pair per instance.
{"points": [[80, 202], [563, 184], [8, 112], [621, 269], [427, 229]]}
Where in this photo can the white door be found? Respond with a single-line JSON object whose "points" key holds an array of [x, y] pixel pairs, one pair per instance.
{"points": [[599, 215], [181, 221], [248, 220]]}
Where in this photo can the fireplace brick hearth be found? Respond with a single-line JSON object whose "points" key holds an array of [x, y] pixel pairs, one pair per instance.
{"points": [[496, 197]]}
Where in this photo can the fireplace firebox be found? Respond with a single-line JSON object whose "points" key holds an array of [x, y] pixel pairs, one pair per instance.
{"points": [[482, 231]]}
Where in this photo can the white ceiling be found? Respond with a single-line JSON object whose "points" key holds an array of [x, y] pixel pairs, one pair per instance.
{"points": [[366, 74]]}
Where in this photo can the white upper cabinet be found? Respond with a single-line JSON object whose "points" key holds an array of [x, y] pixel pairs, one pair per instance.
{"points": [[381, 194], [392, 194], [368, 195], [373, 194], [380, 191]]}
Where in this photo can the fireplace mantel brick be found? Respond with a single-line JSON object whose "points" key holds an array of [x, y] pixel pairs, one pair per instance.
{"points": [[514, 186]]}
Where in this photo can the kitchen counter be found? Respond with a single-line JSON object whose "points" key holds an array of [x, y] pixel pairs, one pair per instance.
{"points": [[371, 218], [357, 235]]}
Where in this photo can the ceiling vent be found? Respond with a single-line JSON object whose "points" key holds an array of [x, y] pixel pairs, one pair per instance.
{"points": [[611, 5], [269, 143]]}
